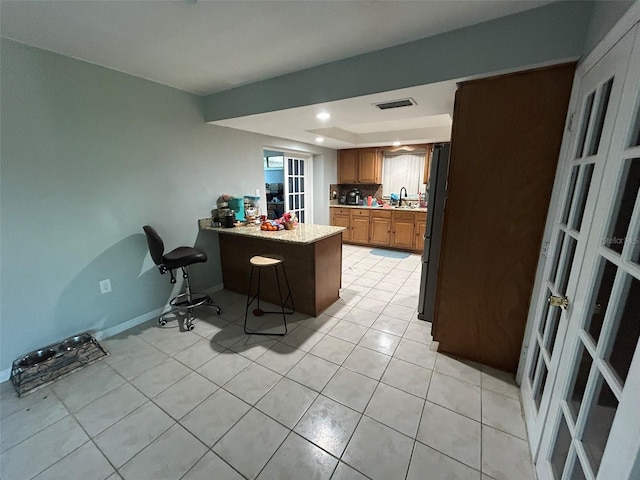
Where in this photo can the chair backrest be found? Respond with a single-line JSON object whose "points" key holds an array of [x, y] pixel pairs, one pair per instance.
{"points": [[156, 245]]}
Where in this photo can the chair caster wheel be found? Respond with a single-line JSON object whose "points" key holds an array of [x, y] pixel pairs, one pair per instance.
{"points": [[219, 311], [162, 323], [190, 326]]}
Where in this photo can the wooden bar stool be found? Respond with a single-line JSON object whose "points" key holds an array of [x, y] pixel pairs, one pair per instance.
{"points": [[261, 262]]}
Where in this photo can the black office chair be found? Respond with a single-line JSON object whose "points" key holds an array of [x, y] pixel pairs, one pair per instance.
{"points": [[180, 257]]}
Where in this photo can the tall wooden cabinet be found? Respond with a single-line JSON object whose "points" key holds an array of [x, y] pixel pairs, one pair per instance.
{"points": [[505, 144]]}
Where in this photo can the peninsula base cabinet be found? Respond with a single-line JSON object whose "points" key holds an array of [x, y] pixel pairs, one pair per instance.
{"points": [[398, 229]]}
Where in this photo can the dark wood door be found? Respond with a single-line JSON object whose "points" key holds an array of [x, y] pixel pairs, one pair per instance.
{"points": [[506, 138]]}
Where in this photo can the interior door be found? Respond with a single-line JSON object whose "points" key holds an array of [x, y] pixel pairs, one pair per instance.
{"points": [[591, 129], [591, 424], [297, 182]]}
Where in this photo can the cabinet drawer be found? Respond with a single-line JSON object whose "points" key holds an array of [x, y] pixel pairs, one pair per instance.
{"points": [[404, 215], [340, 211], [381, 214], [360, 212]]}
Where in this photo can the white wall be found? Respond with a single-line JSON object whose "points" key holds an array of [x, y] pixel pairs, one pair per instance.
{"points": [[90, 155]]}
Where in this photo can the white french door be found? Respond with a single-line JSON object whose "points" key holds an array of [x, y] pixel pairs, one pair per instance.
{"points": [[583, 413], [297, 185], [597, 101]]}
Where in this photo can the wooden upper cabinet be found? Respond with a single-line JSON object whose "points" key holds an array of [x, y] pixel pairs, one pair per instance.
{"points": [[369, 166], [427, 163], [360, 165], [348, 166]]}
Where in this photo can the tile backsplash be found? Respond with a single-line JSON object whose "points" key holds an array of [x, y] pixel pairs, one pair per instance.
{"points": [[365, 190]]}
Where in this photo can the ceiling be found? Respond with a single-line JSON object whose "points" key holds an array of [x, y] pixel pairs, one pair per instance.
{"points": [[204, 47]]}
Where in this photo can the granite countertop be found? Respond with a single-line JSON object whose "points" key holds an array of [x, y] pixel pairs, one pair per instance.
{"points": [[382, 209], [305, 233]]}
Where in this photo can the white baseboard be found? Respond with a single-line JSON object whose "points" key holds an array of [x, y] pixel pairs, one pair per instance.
{"points": [[121, 327]]}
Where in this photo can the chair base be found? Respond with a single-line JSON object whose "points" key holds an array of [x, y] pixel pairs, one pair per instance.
{"points": [[182, 302]]}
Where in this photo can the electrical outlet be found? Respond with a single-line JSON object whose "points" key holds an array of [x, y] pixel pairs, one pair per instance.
{"points": [[105, 286]]}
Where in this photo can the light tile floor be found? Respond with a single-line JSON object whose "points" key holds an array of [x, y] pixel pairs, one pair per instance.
{"points": [[357, 392]]}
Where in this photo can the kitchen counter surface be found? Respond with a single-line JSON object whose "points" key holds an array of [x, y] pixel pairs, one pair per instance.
{"points": [[305, 233], [382, 209]]}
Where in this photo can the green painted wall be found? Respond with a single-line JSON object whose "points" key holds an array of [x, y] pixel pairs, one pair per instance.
{"points": [[89, 156], [604, 17], [549, 33]]}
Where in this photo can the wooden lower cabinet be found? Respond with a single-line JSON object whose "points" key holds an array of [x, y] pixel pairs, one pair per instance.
{"points": [[341, 217], [402, 229], [380, 229], [421, 228], [403, 226], [360, 226]]}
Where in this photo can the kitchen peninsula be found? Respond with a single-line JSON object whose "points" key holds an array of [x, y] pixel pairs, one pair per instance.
{"points": [[312, 258]]}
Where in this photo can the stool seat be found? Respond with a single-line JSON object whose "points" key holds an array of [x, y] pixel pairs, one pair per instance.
{"points": [[260, 261]]}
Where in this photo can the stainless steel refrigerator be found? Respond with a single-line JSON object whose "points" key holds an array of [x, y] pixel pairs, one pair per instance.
{"points": [[436, 201]]}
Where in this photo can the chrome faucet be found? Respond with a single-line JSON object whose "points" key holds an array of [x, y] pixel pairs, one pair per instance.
{"points": [[405, 195]]}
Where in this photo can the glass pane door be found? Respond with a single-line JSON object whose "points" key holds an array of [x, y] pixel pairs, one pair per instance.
{"points": [[592, 424], [592, 125], [585, 169], [296, 192]]}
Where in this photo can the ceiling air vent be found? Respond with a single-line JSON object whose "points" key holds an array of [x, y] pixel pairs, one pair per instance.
{"points": [[405, 102]]}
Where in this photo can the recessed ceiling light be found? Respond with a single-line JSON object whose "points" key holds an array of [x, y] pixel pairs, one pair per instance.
{"points": [[319, 139], [323, 116], [396, 143]]}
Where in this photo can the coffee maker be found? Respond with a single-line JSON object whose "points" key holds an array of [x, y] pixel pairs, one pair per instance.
{"points": [[353, 197]]}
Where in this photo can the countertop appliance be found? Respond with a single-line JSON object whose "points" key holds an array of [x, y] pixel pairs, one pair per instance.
{"points": [[433, 232], [353, 197]]}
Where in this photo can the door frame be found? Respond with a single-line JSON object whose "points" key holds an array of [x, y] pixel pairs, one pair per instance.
{"points": [[308, 176], [308, 181]]}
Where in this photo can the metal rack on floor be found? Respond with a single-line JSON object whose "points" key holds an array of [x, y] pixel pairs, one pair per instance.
{"points": [[48, 364]]}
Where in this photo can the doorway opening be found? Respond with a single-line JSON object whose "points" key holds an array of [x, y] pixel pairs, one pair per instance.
{"points": [[288, 180]]}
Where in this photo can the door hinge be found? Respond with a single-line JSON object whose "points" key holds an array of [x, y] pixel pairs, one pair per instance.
{"points": [[570, 123], [545, 249]]}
